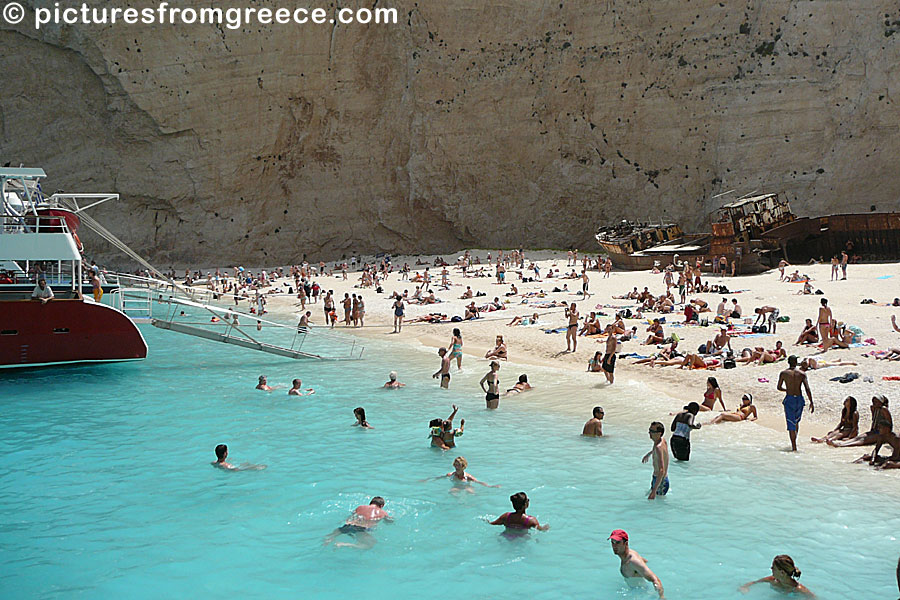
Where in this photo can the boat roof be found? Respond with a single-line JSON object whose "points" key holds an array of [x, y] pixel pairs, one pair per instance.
{"points": [[22, 172], [749, 200]]}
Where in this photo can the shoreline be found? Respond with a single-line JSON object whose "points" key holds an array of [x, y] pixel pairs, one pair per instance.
{"points": [[530, 346]]}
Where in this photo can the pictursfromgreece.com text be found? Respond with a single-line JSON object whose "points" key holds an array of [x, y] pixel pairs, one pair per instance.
{"points": [[165, 13]]}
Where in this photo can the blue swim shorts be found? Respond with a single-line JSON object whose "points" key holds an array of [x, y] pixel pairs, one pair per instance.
{"points": [[663, 489], [793, 411]]}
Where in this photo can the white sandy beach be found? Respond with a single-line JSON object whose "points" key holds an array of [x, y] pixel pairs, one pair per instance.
{"points": [[531, 345]]}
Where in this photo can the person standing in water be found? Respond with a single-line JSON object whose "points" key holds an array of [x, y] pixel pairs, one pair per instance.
{"points": [[444, 371], [517, 523], [609, 359], [594, 427], [682, 425], [792, 382], [456, 348], [659, 485], [398, 314], [360, 523], [492, 391], [633, 566], [783, 578]]}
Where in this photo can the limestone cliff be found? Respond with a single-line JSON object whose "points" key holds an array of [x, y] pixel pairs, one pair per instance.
{"points": [[517, 122]]}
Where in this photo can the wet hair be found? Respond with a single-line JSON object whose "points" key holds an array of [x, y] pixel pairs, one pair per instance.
{"points": [[360, 413], [786, 564], [435, 423], [393, 375], [461, 460], [523, 378], [377, 501], [597, 409], [296, 382], [221, 449], [847, 413], [457, 332], [519, 501], [713, 381], [262, 378], [692, 408], [658, 427]]}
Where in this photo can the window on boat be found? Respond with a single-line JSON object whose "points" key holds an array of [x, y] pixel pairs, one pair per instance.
{"points": [[9, 332], [61, 330]]}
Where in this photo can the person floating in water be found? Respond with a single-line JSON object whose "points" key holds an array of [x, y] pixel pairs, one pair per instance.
{"points": [[461, 480], [792, 382], [360, 413], [297, 391], [517, 523], [633, 566], [783, 578], [659, 486], [359, 525], [443, 435], [221, 461], [521, 385], [594, 427], [392, 383]]}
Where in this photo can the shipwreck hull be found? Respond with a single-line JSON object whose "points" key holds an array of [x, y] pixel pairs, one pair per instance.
{"points": [[874, 236]]}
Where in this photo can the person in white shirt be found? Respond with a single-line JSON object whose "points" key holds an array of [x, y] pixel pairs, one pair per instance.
{"points": [[42, 292]]}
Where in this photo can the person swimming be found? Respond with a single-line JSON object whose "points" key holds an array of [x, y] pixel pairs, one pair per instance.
{"points": [[518, 523], [461, 480], [360, 523], [521, 386], [221, 461], [360, 413], [783, 578], [392, 383]]}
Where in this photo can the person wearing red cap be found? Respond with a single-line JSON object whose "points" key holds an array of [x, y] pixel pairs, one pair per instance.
{"points": [[633, 564]]}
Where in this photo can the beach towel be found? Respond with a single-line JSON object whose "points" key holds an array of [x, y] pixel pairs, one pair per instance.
{"points": [[884, 277], [636, 355], [557, 330], [891, 377]]}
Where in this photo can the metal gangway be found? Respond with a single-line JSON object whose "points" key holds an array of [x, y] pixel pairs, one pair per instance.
{"points": [[137, 295], [225, 326]]}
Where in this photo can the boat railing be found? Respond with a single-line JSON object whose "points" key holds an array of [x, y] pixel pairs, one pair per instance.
{"points": [[29, 223], [163, 287]]}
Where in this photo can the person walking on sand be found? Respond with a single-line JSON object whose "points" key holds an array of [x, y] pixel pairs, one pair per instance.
{"points": [[633, 566], [492, 391], [792, 382], [444, 371], [659, 485], [844, 260], [572, 329], [584, 284]]}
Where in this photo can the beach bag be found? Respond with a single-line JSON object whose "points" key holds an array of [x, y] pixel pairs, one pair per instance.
{"points": [[456, 319], [729, 363], [784, 319], [704, 322], [702, 349]]}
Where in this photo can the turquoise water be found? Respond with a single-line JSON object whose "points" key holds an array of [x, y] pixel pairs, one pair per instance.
{"points": [[106, 488]]}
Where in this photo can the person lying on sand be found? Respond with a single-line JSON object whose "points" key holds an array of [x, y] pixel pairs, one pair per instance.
{"points": [[532, 320], [811, 363], [747, 412]]}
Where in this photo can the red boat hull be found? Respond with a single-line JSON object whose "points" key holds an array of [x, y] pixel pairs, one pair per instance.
{"points": [[65, 331]]}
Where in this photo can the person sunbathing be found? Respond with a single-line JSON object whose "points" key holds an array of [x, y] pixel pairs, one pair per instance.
{"points": [[429, 318], [841, 337], [747, 412], [471, 312], [882, 424], [701, 305], [467, 294], [591, 326], [595, 365], [532, 320], [847, 428], [691, 361], [809, 335], [770, 356], [499, 350], [656, 333], [811, 363]]}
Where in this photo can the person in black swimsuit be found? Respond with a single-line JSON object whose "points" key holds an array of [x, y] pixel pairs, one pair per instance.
{"points": [[492, 391]]}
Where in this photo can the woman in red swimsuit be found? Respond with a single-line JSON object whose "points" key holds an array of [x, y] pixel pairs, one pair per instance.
{"points": [[518, 523]]}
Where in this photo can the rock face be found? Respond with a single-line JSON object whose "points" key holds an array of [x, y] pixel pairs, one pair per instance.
{"points": [[527, 122]]}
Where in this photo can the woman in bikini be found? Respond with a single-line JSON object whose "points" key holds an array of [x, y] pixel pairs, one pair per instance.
{"points": [[783, 578], [848, 426], [594, 365], [713, 392], [809, 335], [492, 391], [462, 481], [518, 523], [747, 412], [499, 350], [881, 422], [456, 347]]}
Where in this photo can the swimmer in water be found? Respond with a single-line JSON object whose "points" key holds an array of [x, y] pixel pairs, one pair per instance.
{"points": [[517, 523], [392, 383], [521, 386], [783, 578], [360, 413], [221, 461], [263, 384], [633, 566], [359, 525], [461, 480], [296, 391], [594, 427]]}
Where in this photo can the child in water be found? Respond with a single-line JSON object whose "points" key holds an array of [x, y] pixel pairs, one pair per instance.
{"points": [[461, 480]]}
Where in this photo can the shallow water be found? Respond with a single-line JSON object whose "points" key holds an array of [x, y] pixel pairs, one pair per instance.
{"points": [[107, 489]]}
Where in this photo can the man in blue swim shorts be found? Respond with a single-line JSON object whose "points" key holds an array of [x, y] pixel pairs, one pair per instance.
{"points": [[792, 382]]}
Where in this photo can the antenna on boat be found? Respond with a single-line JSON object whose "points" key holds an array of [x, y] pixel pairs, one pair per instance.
{"points": [[723, 194]]}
